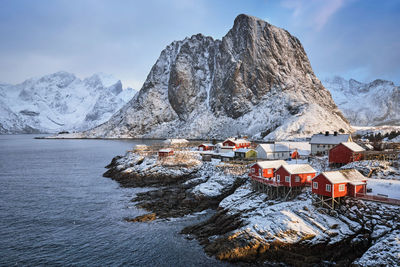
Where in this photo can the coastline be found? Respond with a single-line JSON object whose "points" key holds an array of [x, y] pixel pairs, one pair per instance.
{"points": [[247, 225]]}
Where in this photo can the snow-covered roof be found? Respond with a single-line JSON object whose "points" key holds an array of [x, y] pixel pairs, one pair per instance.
{"points": [[269, 148], [207, 145], [299, 168], [237, 140], [244, 150], [176, 141], [353, 146], [329, 139], [228, 154], [165, 150], [345, 176], [268, 164]]}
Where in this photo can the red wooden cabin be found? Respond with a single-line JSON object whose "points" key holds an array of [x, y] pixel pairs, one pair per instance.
{"points": [[235, 143], [206, 147], [339, 183], [295, 175], [345, 153], [265, 169], [165, 152]]}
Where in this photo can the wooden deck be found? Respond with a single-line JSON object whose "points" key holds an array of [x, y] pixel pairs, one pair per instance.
{"points": [[382, 199]]}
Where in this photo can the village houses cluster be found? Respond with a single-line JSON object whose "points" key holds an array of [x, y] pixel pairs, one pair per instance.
{"points": [[276, 169]]}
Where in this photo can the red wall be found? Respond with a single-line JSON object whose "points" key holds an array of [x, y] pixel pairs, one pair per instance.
{"points": [[340, 154], [228, 143], [303, 177], [322, 182], [264, 171], [205, 148], [359, 190]]}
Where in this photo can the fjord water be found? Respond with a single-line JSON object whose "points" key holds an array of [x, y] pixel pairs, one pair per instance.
{"points": [[57, 209]]}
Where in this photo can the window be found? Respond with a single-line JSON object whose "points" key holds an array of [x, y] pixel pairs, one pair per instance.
{"points": [[253, 170], [259, 172], [269, 171], [315, 185], [297, 179], [341, 187], [287, 179], [309, 178], [278, 178], [328, 188]]}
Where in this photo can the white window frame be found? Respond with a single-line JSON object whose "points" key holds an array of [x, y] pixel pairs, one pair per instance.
{"points": [[297, 179], [287, 179], [269, 171], [315, 185], [309, 178], [341, 188], [278, 178], [260, 172], [328, 188], [253, 170]]}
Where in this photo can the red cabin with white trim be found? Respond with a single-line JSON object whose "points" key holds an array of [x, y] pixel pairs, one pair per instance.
{"points": [[265, 169], [165, 152], [295, 175], [206, 147], [235, 143], [339, 183], [345, 153]]}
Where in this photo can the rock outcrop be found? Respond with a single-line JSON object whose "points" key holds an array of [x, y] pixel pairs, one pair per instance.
{"points": [[256, 81]]}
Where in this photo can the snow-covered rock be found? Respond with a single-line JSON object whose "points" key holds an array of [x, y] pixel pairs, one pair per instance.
{"points": [[256, 81], [374, 103], [60, 102]]}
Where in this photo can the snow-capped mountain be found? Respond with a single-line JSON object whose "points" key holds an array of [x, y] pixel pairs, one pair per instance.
{"points": [[60, 102], [256, 81], [366, 104]]}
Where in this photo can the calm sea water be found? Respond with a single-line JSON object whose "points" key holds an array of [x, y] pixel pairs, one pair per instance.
{"points": [[57, 209]]}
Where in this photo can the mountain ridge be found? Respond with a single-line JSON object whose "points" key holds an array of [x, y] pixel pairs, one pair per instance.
{"points": [[366, 104], [60, 102]]}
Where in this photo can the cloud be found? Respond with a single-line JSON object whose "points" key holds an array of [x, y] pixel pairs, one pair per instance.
{"points": [[316, 13]]}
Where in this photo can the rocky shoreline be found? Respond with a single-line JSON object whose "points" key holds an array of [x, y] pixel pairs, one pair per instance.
{"points": [[249, 227]]}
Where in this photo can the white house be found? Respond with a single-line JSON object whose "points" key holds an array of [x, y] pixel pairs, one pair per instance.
{"points": [[272, 151], [322, 143]]}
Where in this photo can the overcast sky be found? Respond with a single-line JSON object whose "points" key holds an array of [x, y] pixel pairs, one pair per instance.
{"points": [[353, 38]]}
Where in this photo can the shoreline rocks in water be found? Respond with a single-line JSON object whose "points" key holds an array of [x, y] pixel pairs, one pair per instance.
{"points": [[249, 227]]}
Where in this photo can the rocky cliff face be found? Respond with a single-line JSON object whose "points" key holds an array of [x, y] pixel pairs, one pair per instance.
{"points": [[256, 81], [366, 104], [59, 102]]}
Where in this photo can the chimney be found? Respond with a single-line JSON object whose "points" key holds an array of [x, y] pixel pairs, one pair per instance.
{"points": [[327, 133], [335, 133]]}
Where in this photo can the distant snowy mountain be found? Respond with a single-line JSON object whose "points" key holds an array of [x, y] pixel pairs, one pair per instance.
{"points": [[60, 102], [256, 81], [366, 104]]}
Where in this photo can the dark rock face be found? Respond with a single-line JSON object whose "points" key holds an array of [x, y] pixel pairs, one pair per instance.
{"points": [[199, 79]]}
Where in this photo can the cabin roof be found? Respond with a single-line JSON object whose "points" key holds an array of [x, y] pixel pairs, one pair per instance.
{"points": [[237, 140], [268, 164], [206, 145], [353, 146], [345, 176], [165, 150], [329, 139], [273, 148], [299, 168]]}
